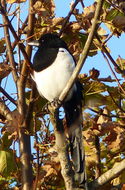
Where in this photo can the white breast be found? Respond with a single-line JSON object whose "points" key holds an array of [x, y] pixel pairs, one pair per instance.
{"points": [[51, 81]]}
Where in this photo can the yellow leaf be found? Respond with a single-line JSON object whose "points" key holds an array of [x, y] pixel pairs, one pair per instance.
{"points": [[15, 1]]}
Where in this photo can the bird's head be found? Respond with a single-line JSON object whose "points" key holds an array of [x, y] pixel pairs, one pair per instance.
{"points": [[49, 40]]}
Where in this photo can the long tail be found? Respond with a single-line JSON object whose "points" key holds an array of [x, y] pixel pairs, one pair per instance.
{"points": [[73, 112]]}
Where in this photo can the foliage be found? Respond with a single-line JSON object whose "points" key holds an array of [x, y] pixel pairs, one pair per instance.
{"points": [[104, 105]]}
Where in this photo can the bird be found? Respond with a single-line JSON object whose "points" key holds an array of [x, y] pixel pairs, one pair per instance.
{"points": [[53, 65]]}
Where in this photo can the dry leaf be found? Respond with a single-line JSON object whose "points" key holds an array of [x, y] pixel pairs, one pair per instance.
{"points": [[103, 119], [15, 1], [123, 187], [119, 21], [44, 8], [56, 21], [4, 70]]}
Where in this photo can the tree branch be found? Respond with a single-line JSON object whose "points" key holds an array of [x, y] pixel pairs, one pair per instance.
{"points": [[107, 176], [62, 150], [113, 73], [109, 56], [9, 47], [22, 47], [98, 159], [15, 42], [109, 116], [8, 96], [24, 138], [84, 52], [68, 17], [4, 111]]}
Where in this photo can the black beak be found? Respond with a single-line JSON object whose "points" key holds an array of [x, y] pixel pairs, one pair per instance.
{"points": [[34, 43]]}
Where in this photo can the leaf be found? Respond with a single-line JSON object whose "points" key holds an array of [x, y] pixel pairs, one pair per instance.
{"points": [[56, 21], [119, 21], [106, 5], [15, 1], [4, 70], [115, 137], [102, 118], [121, 62], [93, 48], [7, 163], [5, 142], [2, 45], [112, 14], [44, 8], [123, 187]]}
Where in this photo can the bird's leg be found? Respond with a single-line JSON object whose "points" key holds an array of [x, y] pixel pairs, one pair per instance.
{"points": [[56, 103]]}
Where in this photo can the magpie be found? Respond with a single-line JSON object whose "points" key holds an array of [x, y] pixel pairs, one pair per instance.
{"points": [[53, 65]]}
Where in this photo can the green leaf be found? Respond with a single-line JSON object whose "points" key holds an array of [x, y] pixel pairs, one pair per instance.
{"points": [[106, 5], [5, 143], [93, 49], [7, 163], [112, 14]]}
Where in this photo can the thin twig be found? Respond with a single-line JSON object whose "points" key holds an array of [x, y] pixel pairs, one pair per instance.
{"points": [[113, 73], [15, 42], [119, 107], [22, 47], [8, 96], [109, 55], [114, 6], [109, 116], [108, 38], [5, 111], [81, 1], [9, 47], [68, 17], [98, 158]]}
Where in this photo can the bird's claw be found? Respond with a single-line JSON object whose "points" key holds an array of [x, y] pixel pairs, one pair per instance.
{"points": [[53, 104]]}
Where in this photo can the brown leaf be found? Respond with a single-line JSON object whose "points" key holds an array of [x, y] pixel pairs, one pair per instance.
{"points": [[56, 21], [94, 73], [44, 8], [90, 151], [2, 45], [4, 70], [13, 125], [15, 1], [115, 137], [103, 119], [123, 187], [89, 11], [119, 21], [50, 172]]}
